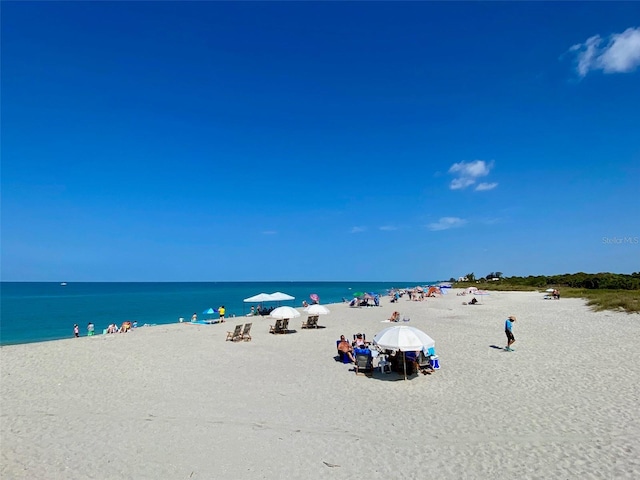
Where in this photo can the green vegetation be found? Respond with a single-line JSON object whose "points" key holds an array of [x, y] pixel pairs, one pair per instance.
{"points": [[603, 291]]}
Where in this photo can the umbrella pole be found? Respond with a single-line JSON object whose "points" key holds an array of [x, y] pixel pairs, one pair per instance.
{"points": [[404, 358]]}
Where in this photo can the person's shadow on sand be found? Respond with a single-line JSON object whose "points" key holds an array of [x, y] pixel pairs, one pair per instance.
{"points": [[496, 347]]}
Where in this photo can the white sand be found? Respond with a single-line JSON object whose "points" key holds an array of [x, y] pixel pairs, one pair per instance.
{"points": [[178, 402]]}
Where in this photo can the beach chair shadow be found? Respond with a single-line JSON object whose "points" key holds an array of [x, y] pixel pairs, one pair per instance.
{"points": [[246, 332], [236, 334]]}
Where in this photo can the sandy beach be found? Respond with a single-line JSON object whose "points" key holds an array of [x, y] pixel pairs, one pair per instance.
{"points": [[180, 402]]}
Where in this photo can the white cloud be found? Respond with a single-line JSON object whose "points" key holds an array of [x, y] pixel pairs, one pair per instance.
{"points": [[485, 186], [467, 173], [358, 229], [620, 54], [445, 223], [388, 228]]}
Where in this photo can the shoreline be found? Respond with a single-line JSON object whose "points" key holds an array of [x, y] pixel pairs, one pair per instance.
{"points": [[178, 401]]}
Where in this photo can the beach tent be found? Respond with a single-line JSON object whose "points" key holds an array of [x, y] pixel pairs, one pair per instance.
{"points": [[261, 297], [278, 296], [433, 291], [471, 290]]}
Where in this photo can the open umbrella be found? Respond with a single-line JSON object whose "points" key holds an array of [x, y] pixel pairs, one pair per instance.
{"points": [[315, 297], [284, 312], [481, 293], [404, 339], [317, 310]]}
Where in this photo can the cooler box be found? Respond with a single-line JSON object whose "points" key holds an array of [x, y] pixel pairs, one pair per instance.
{"points": [[435, 362]]}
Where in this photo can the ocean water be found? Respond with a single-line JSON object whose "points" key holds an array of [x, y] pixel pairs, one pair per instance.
{"points": [[36, 312]]}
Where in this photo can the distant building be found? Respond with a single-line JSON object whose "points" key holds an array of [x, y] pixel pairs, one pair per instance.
{"points": [[463, 279]]}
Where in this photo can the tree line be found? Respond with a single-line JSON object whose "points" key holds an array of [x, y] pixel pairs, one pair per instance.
{"points": [[592, 281]]}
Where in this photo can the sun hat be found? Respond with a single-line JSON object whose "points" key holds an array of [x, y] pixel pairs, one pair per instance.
{"points": [[512, 317]]}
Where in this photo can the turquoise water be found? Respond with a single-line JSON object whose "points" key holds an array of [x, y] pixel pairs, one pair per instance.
{"points": [[36, 312]]}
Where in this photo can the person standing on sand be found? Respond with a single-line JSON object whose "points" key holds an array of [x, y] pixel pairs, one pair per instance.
{"points": [[508, 330], [221, 313], [76, 330]]}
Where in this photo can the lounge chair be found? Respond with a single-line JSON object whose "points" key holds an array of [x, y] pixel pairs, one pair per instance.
{"points": [[364, 363], [277, 328], [236, 334], [312, 322], [246, 332], [285, 326]]}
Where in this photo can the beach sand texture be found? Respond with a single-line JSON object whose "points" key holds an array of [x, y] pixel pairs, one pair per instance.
{"points": [[179, 402]]}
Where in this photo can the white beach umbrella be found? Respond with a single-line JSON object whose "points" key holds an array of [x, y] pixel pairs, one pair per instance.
{"points": [[317, 309], [405, 339], [284, 312]]}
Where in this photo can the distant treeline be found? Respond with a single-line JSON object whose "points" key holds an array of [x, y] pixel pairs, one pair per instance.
{"points": [[614, 281]]}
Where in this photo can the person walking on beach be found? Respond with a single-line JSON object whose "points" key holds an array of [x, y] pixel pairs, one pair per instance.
{"points": [[194, 317], [508, 330], [90, 329], [221, 313], [76, 330]]}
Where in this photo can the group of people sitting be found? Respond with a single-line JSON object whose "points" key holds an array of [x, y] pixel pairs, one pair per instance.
{"points": [[398, 361], [259, 310], [124, 328], [348, 349]]}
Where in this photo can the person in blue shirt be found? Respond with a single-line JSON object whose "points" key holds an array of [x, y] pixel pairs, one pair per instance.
{"points": [[508, 330]]}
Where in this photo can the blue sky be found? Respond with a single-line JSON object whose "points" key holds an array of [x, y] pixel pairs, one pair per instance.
{"points": [[375, 141]]}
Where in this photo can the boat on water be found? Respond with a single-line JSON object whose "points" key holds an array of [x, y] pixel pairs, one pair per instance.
{"points": [[63, 284]]}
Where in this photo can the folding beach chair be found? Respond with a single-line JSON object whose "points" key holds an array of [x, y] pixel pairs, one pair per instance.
{"points": [[236, 334], [277, 328], [246, 332]]}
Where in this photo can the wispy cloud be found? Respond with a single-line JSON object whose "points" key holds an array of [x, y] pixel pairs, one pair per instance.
{"points": [[486, 186], [619, 54], [358, 229], [388, 228], [445, 223], [467, 174]]}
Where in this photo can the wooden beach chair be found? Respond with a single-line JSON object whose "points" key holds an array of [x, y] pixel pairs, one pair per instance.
{"points": [[285, 326], [236, 334], [312, 322], [277, 328], [246, 332]]}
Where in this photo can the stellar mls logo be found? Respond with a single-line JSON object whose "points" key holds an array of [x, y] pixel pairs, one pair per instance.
{"points": [[620, 240]]}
